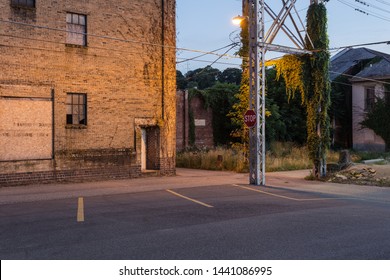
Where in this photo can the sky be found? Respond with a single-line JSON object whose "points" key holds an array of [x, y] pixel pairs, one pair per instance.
{"points": [[205, 25]]}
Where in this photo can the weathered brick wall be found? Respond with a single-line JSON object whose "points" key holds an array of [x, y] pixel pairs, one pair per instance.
{"points": [[124, 70], [74, 175], [182, 120], [203, 118]]}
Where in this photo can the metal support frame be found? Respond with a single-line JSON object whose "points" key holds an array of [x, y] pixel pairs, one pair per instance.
{"points": [[259, 43], [257, 92]]}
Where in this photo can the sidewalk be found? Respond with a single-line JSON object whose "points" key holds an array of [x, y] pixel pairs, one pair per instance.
{"points": [[187, 178]]}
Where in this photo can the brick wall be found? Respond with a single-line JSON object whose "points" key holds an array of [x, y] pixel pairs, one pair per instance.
{"points": [[182, 120], [202, 118], [124, 71]]}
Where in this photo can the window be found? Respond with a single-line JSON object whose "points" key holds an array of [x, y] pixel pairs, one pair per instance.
{"points": [[369, 99], [24, 3], [76, 108], [76, 29]]}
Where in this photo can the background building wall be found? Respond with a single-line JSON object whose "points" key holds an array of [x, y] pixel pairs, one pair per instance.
{"points": [[364, 138], [192, 112]]}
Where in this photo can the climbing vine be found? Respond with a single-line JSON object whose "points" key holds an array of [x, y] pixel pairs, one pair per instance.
{"points": [[290, 67], [317, 87], [309, 75]]}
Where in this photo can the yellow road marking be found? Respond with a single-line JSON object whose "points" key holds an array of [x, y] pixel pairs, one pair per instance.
{"points": [[283, 196], [80, 210], [190, 199]]}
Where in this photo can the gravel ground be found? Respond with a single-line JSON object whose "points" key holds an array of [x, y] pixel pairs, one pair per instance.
{"points": [[363, 174]]}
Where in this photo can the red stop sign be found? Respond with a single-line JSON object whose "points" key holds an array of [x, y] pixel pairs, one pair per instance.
{"points": [[250, 118]]}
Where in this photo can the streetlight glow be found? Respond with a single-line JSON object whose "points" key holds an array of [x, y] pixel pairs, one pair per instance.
{"points": [[237, 20]]}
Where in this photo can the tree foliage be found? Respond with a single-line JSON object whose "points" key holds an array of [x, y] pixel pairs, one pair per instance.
{"points": [[230, 76], [378, 119], [220, 98], [202, 78], [181, 81]]}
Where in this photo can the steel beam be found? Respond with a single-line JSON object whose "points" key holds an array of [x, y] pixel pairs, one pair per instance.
{"points": [[257, 92]]}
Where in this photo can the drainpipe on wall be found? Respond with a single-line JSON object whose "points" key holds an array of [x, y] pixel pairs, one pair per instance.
{"points": [[162, 57], [52, 124]]}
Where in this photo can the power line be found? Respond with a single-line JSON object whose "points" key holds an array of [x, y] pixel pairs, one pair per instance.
{"points": [[209, 61], [365, 3], [383, 2], [112, 38], [195, 57], [364, 11], [362, 78], [361, 45]]}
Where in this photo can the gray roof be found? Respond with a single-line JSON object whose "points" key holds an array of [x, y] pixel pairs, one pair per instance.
{"points": [[348, 58], [379, 70]]}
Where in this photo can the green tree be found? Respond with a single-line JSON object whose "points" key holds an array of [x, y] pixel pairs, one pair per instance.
{"points": [[202, 78], [378, 119], [181, 81], [231, 76], [288, 117], [220, 98]]}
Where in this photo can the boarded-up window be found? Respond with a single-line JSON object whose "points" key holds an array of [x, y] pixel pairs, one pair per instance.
{"points": [[76, 29], [25, 128], [76, 108]]}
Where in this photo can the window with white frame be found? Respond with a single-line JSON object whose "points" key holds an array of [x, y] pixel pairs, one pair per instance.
{"points": [[369, 98], [76, 108], [24, 3], [76, 29]]}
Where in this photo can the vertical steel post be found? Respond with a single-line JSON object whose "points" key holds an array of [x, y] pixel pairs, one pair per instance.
{"points": [[257, 91]]}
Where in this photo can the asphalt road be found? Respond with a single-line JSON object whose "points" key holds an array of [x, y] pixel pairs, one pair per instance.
{"points": [[196, 220]]}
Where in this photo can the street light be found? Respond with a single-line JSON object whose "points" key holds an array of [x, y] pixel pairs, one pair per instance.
{"points": [[237, 20]]}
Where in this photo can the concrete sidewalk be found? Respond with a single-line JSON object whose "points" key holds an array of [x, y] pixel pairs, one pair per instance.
{"points": [[188, 178]]}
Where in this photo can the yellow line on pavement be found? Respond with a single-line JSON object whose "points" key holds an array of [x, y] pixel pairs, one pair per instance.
{"points": [[283, 196], [190, 199], [80, 210]]}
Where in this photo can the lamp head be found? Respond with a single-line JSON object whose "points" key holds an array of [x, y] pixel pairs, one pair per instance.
{"points": [[237, 20]]}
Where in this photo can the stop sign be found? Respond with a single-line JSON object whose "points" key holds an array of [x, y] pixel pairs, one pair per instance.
{"points": [[250, 118]]}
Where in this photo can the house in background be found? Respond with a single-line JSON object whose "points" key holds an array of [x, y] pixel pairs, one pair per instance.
{"points": [[358, 76], [87, 89]]}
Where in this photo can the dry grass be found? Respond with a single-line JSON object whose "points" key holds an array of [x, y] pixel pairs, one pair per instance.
{"points": [[216, 159], [279, 157]]}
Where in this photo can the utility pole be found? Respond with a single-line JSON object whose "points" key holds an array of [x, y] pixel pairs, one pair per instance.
{"points": [[260, 42], [257, 92]]}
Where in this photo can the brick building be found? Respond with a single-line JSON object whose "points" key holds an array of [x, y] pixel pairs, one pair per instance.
{"points": [[87, 89]]}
